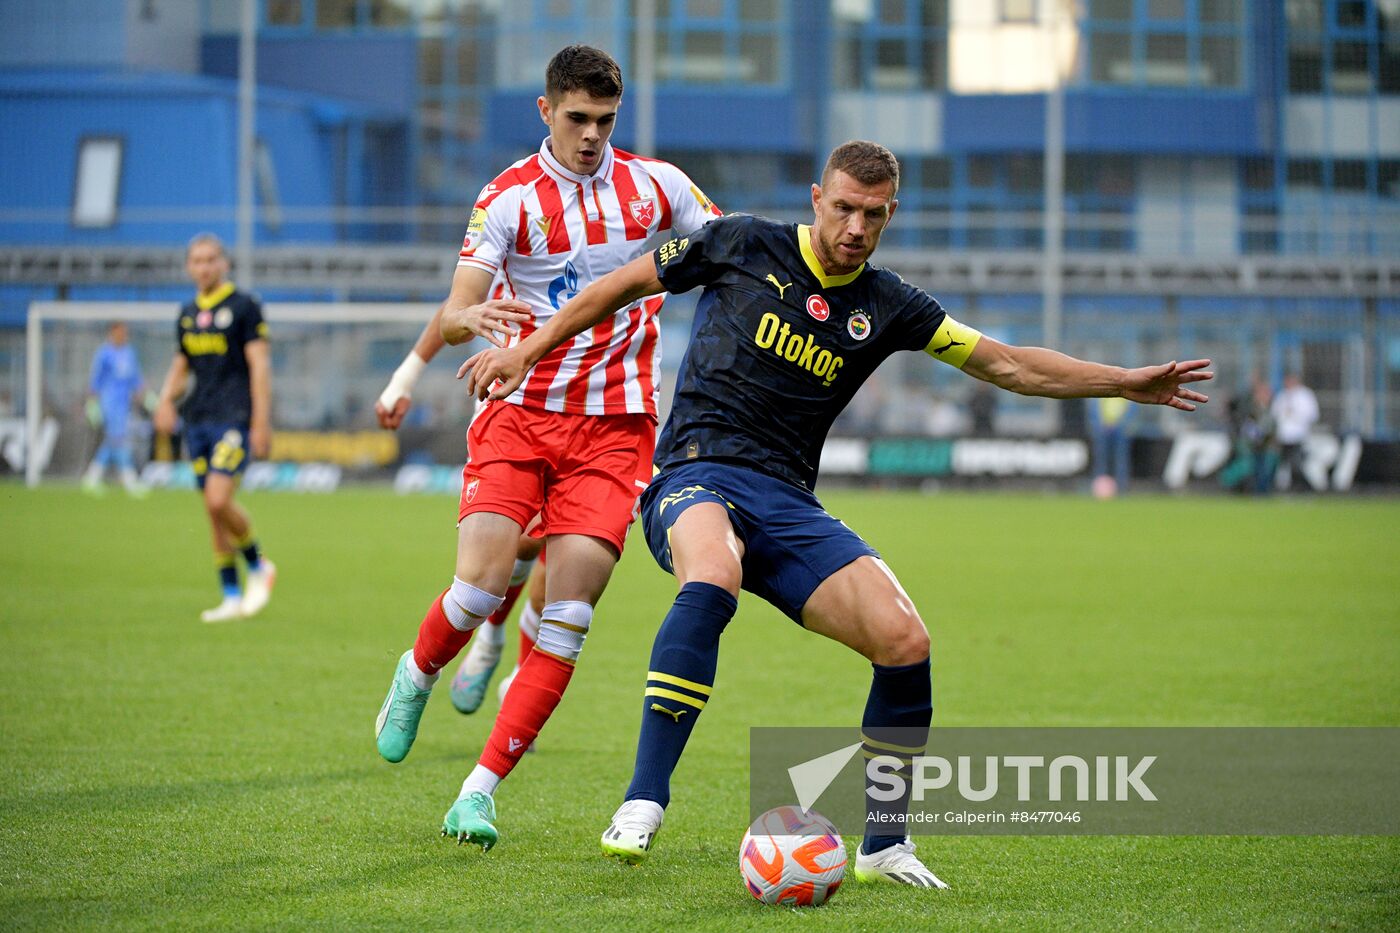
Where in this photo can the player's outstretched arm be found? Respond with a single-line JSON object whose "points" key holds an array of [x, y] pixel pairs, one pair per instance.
{"points": [[393, 403], [173, 387], [1050, 374], [589, 308]]}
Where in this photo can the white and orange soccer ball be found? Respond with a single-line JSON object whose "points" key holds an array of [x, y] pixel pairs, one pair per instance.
{"points": [[793, 858]]}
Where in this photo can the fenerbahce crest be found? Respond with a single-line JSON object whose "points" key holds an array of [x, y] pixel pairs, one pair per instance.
{"points": [[643, 211]]}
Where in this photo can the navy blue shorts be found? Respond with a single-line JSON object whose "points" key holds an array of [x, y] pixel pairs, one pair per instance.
{"points": [[216, 447], [791, 543]]}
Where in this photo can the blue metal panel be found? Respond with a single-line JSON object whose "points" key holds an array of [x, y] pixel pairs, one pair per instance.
{"points": [[1108, 121], [380, 70], [62, 33], [179, 150]]}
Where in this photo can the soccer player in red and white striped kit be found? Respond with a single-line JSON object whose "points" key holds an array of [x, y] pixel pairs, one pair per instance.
{"points": [[574, 444]]}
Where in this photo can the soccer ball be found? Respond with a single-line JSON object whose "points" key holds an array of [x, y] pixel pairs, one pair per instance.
{"points": [[788, 857]]}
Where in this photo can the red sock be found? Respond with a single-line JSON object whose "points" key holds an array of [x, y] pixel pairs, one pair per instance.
{"points": [[527, 644], [438, 642], [533, 694], [499, 616]]}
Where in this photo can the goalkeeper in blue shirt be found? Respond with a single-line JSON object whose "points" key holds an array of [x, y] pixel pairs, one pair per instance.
{"points": [[113, 386]]}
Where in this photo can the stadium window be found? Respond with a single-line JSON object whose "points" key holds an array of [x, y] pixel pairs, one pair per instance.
{"points": [[1220, 11], [1349, 175], [892, 71], [1304, 68], [1025, 174], [284, 12], [1304, 15], [936, 173], [1351, 14], [1166, 9], [430, 62], [1166, 59], [1111, 57], [1116, 10], [336, 14], [1388, 178], [390, 14], [1351, 68], [982, 171], [1305, 173], [935, 65], [758, 11], [1258, 174], [1389, 79], [893, 12], [759, 57], [1220, 61], [97, 184]]}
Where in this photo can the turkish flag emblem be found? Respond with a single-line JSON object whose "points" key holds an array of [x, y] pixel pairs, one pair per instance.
{"points": [[643, 211], [818, 308]]}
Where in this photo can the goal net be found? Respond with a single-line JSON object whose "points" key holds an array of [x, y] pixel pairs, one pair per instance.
{"points": [[330, 361]]}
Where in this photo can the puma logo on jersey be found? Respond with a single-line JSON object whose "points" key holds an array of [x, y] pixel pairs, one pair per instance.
{"points": [[939, 351], [675, 714], [776, 334], [778, 285]]}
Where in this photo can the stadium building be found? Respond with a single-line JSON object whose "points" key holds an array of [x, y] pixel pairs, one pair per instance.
{"points": [[1112, 176]]}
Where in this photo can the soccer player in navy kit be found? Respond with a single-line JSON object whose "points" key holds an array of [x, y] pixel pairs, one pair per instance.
{"points": [[221, 338], [792, 321]]}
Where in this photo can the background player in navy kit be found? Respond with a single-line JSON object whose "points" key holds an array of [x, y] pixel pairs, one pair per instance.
{"points": [[222, 340], [791, 322]]}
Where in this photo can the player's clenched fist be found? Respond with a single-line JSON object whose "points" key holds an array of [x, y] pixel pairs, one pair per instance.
{"points": [[486, 368]]}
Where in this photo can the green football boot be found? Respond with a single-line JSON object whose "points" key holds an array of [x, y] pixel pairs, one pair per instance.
{"points": [[472, 819], [469, 686], [397, 725]]}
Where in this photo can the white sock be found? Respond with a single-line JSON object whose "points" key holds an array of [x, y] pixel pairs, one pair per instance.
{"points": [[493, 635], [521, 571], [421, 680], [94, 473], [483, 779]]}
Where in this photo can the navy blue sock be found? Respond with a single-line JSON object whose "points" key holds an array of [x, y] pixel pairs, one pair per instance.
{"points": [[228, 574], [682, 672], [896, 721]]}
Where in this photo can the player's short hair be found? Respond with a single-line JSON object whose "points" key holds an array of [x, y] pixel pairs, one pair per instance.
{"points": [[582, 68], [868, 163], [199, 238]]}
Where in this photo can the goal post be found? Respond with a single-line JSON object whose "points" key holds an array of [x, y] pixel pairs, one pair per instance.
{"points": [[330, 361]]}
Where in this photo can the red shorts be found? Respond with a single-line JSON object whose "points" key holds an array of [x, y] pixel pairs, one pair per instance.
{"points": [[581, 474]]}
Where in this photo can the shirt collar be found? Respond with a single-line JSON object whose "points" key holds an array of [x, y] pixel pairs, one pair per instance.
{"points": [[809, 256], [205, 302], [556, 168]]}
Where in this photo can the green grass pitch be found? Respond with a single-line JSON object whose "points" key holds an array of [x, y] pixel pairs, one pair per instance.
{"points": [[163, 773]]}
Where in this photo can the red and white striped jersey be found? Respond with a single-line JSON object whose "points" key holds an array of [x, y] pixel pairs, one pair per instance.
{"points": [[545, 232]]}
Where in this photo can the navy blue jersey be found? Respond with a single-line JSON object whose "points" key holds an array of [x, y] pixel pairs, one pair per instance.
{"points": [[779, 348], [212, 333]]}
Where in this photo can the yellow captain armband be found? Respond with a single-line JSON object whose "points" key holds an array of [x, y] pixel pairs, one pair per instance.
{"points": [[953, 343]]}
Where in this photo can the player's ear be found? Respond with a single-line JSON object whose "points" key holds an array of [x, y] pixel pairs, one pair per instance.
{"points": [[816, 196], [545, 109], [894, 204]]}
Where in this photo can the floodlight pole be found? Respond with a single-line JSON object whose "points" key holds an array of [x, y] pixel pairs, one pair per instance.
{"points": [[247, 98], [645, 25], [1053, 217]]}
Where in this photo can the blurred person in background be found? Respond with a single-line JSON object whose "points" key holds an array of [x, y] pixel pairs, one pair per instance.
{"points": [[1294, 412], [114, 384], [1109, 421], [221, 338], [982, 409]]}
